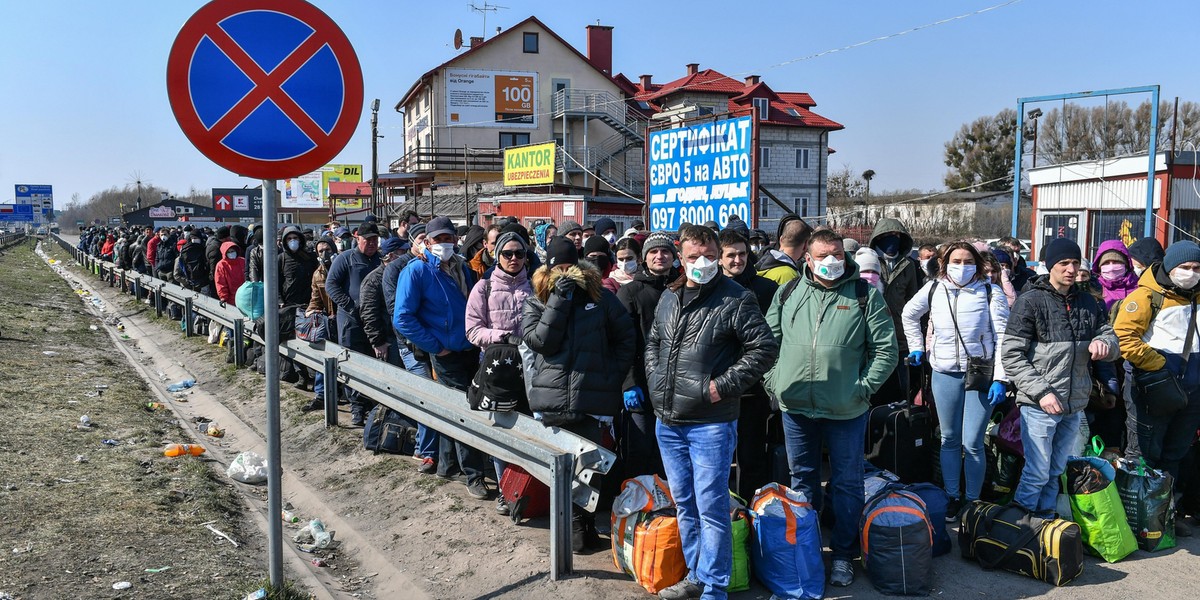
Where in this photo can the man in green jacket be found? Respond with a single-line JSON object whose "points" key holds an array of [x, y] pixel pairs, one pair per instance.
{"points": [[837, 345]]}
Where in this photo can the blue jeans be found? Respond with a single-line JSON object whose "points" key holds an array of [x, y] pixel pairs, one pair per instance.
{"points": [[845, 439], [697, 460], [1048, 440], [455, 370], [963, 415]]}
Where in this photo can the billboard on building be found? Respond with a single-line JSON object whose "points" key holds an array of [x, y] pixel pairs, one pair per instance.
{"points": [[305, 191], [529, 165], [700, 173], [342, 173], [480, 98], [237, 202]]}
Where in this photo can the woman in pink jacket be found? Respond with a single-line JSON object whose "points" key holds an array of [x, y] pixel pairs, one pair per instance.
{"points": [[494, 309]]}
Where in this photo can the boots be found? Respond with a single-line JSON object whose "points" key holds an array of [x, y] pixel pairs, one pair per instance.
{"points": [[583, 532]]}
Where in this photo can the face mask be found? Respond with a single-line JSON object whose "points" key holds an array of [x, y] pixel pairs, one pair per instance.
{"points": [[1112, 272], [960, 274], [611, 237], [326, 257], [195, 240], [293, 245], [1184, 278], [924, 264], [702, 270], [756, 248], [830, 268], [871, 278], [231, 255], [890, 246], [1138, 270], [442, 251], [629, 266]]}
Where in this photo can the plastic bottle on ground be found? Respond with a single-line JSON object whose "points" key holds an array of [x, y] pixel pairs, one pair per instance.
{"points": [[175, 450], [290, 516]]}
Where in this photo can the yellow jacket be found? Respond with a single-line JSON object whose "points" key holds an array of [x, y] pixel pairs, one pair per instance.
{"points": [[1146, 338]]}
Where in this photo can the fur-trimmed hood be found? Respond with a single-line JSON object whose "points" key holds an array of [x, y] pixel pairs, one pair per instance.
{"points": [[586, 276]]}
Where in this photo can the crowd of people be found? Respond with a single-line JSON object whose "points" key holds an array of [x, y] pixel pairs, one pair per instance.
{"points": [[695, 351]]}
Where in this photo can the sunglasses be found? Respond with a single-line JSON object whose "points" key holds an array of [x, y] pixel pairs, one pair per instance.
{"points": [[511, 254]]}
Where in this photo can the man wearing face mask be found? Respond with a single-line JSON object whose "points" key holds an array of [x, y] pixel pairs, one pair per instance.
{"points": [[1144, 253], [296, 268], [321, 303], [927, 254], [344, 283], [902, 279], [1157, 327], [758, 242], [607, 229], [430, 311], [837, 346], [708, 346]]}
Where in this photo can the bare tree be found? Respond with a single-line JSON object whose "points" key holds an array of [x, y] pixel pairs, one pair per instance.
{"points": [[980, 155]]}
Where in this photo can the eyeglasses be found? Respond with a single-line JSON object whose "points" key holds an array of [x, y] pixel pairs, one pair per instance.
{"points": [[511, 254]]}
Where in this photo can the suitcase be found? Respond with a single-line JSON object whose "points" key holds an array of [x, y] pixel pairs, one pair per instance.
{"points": [[526, 496], [899, 438], [1009, 538]]}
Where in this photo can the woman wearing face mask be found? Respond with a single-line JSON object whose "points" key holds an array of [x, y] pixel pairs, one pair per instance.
{"points": [[296, 268], [868, 267], [967, 316], [597, 250], [629, 253], [1156, 325]]}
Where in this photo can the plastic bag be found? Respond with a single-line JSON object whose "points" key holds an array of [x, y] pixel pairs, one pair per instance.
{"points": [[1097, 508], [248, 467], [249, 299], [1148, 496], [739, 578]]}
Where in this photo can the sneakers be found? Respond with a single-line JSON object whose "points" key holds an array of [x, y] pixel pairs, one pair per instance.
{"points": [[953, 508], [427, 466], [316, 404], [842, 574], [684, 590], [477, 490], [502, 505]]}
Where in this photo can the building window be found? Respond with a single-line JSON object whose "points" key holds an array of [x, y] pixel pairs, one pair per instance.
{"points": [[764, 158], [531, 42], [513, 139], [801, 158], [801, 206], [764, 107], [764, 207]]}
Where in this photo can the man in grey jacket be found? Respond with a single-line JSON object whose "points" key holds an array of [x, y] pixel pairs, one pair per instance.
{"points": [[1053, 332]]}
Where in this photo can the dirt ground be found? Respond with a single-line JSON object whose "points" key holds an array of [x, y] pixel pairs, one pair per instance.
{"points": [[405, 535]]}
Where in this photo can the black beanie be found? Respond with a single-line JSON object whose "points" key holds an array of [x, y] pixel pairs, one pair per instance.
{"points": [[1060, 249], [1146, 251], [561, 251], [596, 244]]}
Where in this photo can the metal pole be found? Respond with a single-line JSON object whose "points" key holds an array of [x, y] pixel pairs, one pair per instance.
{"points": [[1153, 152], [560, 516], [1016, 202], [375, 157], [331, 392], [271, 354]]}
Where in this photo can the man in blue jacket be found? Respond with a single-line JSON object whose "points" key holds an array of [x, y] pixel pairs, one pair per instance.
{"points": [[342, 283], [431, 308]]}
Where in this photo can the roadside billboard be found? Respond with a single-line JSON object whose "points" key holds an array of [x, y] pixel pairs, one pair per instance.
{"points": [[352, 173], [481, 98], [529, 165], [304, 191], [700, 173]]}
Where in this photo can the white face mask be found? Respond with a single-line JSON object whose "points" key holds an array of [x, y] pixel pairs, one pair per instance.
{"points": [[611, 237], [756, 248], [629, 266], [702, 270], [830, 268], [960, 274], [924, 264], [231, 255], [1184, 278], [293, 245], [442, 251], [1137, 270]]}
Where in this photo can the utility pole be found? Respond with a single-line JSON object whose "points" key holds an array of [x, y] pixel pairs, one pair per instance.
{"points": [[375, 157]]}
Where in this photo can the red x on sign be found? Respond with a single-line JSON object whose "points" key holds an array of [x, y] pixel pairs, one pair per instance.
{"points": [[269, 89]]}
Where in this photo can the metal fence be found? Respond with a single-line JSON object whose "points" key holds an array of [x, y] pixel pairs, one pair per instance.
{"points": [[8, 240], [563, 460]]}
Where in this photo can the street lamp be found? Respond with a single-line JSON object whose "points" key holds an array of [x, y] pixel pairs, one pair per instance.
{"points": [[375, 157], [1034, 115]]}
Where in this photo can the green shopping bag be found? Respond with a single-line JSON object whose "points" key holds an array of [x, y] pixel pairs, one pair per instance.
{"points": [[739, 578], [1148, 495], [1089, 482]]}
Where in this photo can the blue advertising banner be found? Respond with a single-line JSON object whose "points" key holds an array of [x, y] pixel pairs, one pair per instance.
{"points": [[700, 173]]}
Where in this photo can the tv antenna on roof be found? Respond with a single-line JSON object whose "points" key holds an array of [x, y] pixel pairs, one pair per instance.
{"points": [[484, 10]]}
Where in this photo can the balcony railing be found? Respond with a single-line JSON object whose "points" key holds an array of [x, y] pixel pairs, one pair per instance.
{"points": [[424, 160]]}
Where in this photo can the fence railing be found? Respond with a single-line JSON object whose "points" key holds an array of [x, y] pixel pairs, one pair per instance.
{"points": [[563, 460], [9, 240]]}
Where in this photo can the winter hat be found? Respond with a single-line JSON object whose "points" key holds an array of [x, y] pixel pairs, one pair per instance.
{"points": [[415, 230], [511, 236], [712, 225], [850, 245], [658, 239], [1146, 251], [596, 244], [390, 245], [867, 260], [1058, 250], [1179, 253], [368, 230], [604, 224], [738, 225], [518, 229], [440, 226], [561, 251], [1002, 256], [568, 227], [1110, 255]]}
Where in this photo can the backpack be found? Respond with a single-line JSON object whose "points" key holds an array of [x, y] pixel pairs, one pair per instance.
{"points": [[897, 542], [1156, 303], [389, 431], [860, 292]]}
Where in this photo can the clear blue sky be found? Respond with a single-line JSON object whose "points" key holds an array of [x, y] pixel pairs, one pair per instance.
{"points": [[84, 105]]}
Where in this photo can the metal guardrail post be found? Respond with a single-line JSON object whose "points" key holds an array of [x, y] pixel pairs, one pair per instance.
{"points": [[189, 322], [239, 343], [560, 516], [331, 392], [158, 300], [124, 281]]}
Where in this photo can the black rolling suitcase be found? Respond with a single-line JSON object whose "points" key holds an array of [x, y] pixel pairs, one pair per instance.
{"points": [[899, 439]]}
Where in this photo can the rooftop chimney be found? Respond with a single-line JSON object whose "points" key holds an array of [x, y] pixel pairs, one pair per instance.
{"points": [[476, 40], [599, 47], [646, 81], [751, 80], [693, 68]]}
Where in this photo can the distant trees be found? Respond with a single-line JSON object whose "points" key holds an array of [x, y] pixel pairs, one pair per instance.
{"points": [[980, 155], [1074, 133]]}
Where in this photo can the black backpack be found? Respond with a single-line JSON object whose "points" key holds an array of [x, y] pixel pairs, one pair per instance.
{"points": [[389, 431]]}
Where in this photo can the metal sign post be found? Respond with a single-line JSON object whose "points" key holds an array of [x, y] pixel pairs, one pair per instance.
{"points": [[271, 351]]}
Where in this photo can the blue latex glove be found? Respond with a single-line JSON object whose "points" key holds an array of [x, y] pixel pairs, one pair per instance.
{"points": [[633, 398], [997, 392], [1113, 386], [915, 358]]}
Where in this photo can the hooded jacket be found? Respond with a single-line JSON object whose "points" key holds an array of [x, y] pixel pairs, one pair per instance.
{"points": [[719, 336], [1115, 289], [212, 252], [980, 330], [152, 248], [191, 268], [230, 275], [106, 251], [1045, 346], [832, 355], [640, 298], [777, 266], [1152, 342], [580, 343], [902, 277], [295, 271], [165, 255], [431, 308], [494, 309], [372, 310]]}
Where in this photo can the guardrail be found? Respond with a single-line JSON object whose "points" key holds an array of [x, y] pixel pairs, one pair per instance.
{"points": [[563, 460], [9, 240]]}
